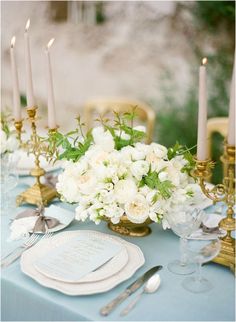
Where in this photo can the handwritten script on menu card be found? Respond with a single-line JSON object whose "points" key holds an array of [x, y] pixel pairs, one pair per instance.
{"points": [[77, 258]]}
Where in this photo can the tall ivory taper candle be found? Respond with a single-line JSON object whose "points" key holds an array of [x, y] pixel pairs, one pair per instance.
{"points": [[29, 81], [202, 113], [15, 83], [51, 101]]}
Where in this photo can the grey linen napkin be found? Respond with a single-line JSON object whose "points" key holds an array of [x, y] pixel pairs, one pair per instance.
{"points": [[43, 222], [209, 230]]}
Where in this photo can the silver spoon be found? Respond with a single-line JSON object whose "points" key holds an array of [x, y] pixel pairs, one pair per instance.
{"points": [[151, 286]]}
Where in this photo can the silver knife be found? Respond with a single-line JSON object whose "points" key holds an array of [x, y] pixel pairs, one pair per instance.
{"points": [[129, 290]]}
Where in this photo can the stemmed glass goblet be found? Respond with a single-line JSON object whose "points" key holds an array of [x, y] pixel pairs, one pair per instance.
{"points": [[183, 220], [201, 251], [8, 180]]}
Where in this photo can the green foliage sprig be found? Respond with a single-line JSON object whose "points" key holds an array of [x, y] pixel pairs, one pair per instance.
{"points": [[153, 182], [178, 150], [74, 143], [5, 124], [123, 123]]}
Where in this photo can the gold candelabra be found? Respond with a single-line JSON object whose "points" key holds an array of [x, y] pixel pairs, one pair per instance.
{"points": [[224, 192], [38, 194]]}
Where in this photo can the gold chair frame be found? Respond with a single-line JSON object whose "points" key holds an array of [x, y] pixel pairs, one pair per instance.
{"points": [[102, 106], [216, 125]]}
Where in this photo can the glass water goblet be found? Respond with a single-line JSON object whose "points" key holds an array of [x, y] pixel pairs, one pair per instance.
{"points": [[9, 180], [183, 220], [201, 251]]}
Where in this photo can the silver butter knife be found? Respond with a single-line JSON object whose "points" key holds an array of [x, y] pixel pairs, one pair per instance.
{"points": [[107, 309]]}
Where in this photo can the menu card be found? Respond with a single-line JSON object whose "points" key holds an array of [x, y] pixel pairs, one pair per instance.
{"points": [[76, 258]]}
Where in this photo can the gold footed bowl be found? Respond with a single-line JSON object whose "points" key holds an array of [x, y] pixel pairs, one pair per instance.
{"points": [[128, 228]]}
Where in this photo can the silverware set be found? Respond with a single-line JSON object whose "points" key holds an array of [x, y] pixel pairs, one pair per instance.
{"points": [[17, 252], [152, 285]]}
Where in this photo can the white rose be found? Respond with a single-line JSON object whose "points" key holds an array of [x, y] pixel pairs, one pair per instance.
{"points": [[125, 191], [67, 186], [104, 173], [75, 169], [137, 210], [173, 174], [99, 158], [156, 163], [138, 155], [114, 212], [139, 168], [159, 150], [163, 176], [126, 153], [87, 182], [103, 138], [143, 147]]}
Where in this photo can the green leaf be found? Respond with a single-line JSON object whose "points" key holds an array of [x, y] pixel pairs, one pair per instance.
{"points": [[173, 151], [164, 188]]}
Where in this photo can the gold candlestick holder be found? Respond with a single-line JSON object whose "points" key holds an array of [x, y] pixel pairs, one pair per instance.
{"points": [[224, 192], [38, 194]]}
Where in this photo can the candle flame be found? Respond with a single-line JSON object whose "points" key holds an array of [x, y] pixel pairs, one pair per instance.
{"points": [[27, 25], [50, 43], [13, 41], [204, 61]]}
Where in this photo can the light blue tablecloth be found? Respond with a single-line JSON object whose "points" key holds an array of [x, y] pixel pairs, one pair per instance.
{"points": [[25, 300]]}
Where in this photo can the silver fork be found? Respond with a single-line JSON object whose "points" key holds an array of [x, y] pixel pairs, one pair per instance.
{"points": [[30, 241], [6, 262]]}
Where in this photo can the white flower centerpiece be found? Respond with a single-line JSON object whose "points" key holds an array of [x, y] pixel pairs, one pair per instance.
{"points": [[114, 177]]}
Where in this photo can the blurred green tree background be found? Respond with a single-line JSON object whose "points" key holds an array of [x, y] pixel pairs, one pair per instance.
{"points": [[217, 20]]}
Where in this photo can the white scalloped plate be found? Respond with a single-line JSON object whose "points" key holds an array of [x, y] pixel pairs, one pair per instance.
{"points": [[113, 266], [136, 260]]}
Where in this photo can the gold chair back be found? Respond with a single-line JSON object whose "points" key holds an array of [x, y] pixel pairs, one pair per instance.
{"points": [[216, 125], [103, 106]]}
